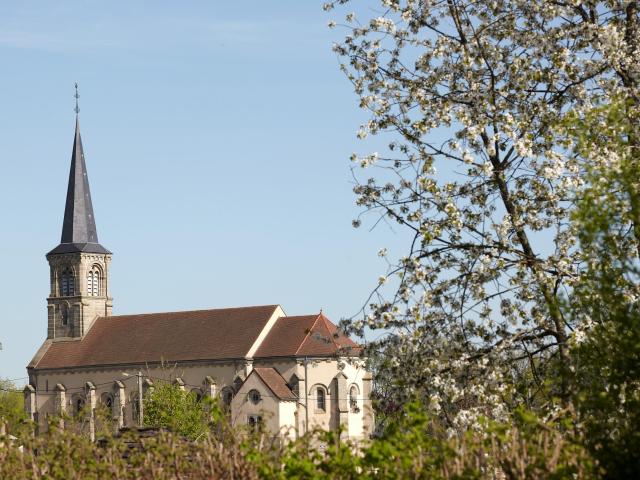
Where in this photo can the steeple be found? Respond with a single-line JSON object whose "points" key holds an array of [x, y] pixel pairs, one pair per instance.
{"points": [[79, 232], [79, 266]]}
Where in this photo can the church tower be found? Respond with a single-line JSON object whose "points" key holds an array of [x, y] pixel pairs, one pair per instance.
{"points": [[79, 266]]}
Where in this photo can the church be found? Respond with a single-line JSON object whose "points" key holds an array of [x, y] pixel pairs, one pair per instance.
{"points": [[290, 374]]}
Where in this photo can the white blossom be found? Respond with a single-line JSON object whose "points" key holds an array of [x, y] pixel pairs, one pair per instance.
{"points": [[481, 176]]}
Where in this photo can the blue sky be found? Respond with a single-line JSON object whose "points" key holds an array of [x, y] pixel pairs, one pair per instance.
{"points": [[217, 137]]}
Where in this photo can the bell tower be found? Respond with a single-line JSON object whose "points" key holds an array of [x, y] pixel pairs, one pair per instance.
{"points": [[79, 265]]}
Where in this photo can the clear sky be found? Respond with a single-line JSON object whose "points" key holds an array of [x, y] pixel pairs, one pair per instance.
{"points": [[217, 137]]}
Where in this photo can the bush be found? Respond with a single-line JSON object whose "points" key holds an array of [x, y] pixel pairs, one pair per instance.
{"points": [[11, 405], [412, 447], [180, 411]]}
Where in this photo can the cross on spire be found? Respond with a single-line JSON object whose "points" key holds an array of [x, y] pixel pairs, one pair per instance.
{"points": [[77, 96]]}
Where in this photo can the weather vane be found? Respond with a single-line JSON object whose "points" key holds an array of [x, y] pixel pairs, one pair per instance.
{"points": [[77, 96]]}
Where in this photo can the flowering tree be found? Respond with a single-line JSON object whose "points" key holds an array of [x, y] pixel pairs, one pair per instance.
{"points": [[480, 174]]}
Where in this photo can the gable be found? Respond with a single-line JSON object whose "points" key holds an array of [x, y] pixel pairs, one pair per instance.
{"points": [[271, 379]]}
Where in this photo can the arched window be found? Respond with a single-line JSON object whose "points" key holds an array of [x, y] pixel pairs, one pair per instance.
{"points": [[353, 399], [321, 403], [106, 399], [254, 422], [67, 283], [78, 404], [135, 407], [227, 396], [64, 312], [94, 282], [197, 393], [294, 385]]}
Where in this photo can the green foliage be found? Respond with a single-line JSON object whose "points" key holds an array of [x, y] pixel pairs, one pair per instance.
{"points": [[606, 360], [413, 446], [608, 400], [605, 349], [66, 455], [320, 455], [180, 411], [11, 405], [410, 448]]}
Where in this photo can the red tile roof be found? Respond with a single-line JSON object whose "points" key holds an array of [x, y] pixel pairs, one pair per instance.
{"points": [[308, 335], [195, 335], [286, 336], [275, 382]]}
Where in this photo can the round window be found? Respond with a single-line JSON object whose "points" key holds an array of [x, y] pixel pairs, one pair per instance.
{"points": [[254, 397]]}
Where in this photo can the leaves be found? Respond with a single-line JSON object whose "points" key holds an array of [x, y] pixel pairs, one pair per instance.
{"points": [[180, 411], [11, 405]]}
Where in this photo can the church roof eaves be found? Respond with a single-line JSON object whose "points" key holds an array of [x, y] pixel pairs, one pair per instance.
{"points": [[79, 248]]}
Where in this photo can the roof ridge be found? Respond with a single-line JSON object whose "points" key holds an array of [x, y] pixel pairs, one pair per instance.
{"points": [[324, 321], [264, 380], [190, 311], [276, 370], [333, 339], [308, 333]]}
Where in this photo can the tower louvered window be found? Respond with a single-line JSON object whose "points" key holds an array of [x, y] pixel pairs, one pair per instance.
{"points": [[93, 282], [67, 284]]}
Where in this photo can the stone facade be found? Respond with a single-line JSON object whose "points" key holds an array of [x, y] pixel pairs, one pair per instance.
{"points": [[53, 393], [71, 308]]}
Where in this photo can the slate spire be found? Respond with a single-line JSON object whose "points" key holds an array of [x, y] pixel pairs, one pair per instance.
{"points": [[79, 233], [79, 224]]}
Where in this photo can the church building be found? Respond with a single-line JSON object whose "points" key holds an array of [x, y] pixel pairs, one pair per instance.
{"points": [[289, 373]]}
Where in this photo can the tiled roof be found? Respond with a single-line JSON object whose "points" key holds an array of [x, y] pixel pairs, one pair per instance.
{"points": [[309, 335], [178, 336], [274, 381], [286, 336]]}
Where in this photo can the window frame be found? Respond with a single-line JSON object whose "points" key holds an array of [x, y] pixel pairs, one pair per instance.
{"points": [[197, 393], [294, 385], [78, 402], [227, 392], [94, 281], [320, 398], [108, 400], [354, 406], [254, 421], [135, 408], [254, 396], [67, 283]]}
